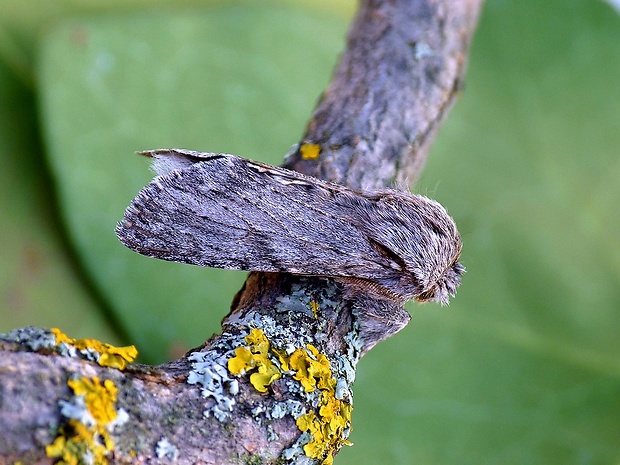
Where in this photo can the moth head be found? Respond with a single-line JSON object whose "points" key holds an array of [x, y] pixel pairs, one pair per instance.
{"points": [[444, 287], [421, 242], [435, 268]]}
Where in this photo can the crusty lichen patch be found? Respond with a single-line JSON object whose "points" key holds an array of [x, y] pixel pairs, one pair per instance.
{"points": [[210, 373], [91, 416], [314, 306], [329, 427], [165, 449], [103, 353]]}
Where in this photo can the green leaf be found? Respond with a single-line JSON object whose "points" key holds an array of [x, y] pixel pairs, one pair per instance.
{"points": [[39, 283], [524, 366], [235, 79]]}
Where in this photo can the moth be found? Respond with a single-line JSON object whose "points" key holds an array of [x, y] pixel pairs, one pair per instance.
{"points": [[223, 211]]}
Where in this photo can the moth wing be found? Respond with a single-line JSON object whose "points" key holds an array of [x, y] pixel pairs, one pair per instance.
{"points": [[167, 160], [224, 211]]}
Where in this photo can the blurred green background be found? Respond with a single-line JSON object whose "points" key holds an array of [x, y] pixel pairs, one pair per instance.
{"points": [[522, 368]]}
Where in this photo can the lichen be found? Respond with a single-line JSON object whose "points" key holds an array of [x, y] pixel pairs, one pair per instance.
{"points": [[310, 151], [37, 339], [165, 449], [92, 415], [314, 306], [255, 357], [329, 427], [312, 369], [209, 372], [283, 348], [103, 353], [288, 407], [31, 338]]}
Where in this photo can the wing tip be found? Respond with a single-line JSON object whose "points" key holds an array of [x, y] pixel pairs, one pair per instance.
{"points": [[167, 160]]}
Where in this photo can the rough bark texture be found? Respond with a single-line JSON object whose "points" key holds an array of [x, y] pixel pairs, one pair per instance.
{"points": [[401, 71]]}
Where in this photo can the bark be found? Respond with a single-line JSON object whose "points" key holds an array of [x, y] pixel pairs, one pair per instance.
{"points": [[401, 71]]}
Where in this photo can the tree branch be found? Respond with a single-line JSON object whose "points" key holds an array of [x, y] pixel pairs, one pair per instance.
{"points": [[276, 383], [402, 70]]}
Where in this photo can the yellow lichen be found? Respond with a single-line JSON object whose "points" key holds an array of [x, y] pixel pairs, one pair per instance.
{"points": [[242, 361], [267, 374], [283, 359], [310, 151], [328, 428], [255, 357], [312, 369], [99, 399], [258, 341], [109, 355], [315, 308], [87, 440]]}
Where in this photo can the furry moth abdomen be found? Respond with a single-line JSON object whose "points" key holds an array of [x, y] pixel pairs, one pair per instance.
{"points": [[223, 211]]}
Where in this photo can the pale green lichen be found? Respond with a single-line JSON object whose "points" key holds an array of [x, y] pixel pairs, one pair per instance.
{"points": [[275, 351], [31, 338], [165, 449], [92, 415], [290, 407], [209, 372]]}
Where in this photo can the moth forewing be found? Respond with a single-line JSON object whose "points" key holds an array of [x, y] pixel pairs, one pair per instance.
{"points": [[224, 211]]}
